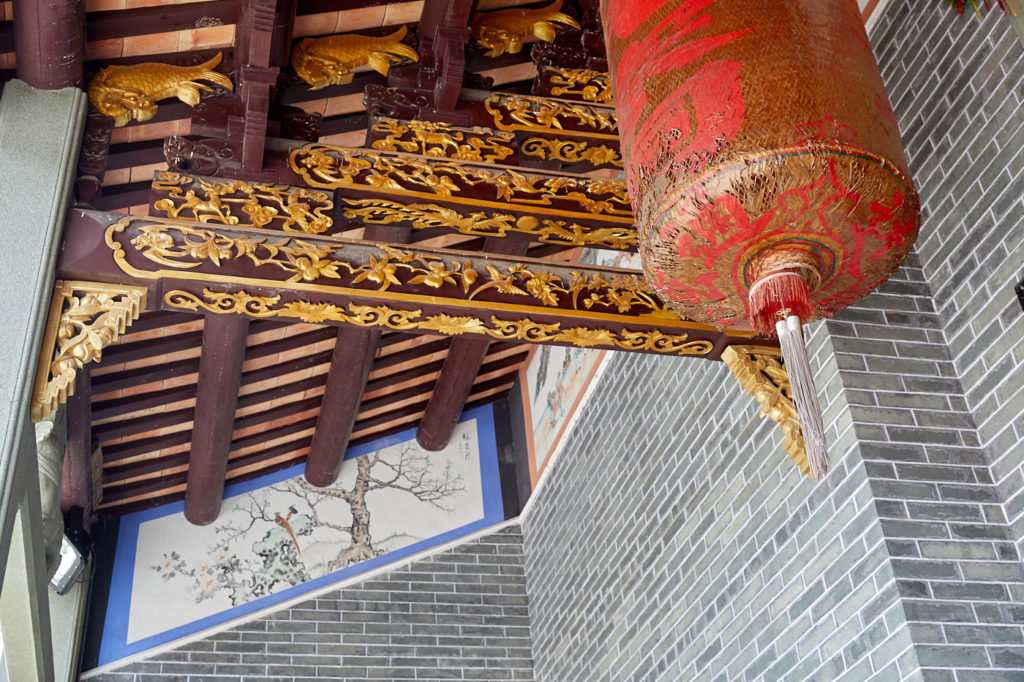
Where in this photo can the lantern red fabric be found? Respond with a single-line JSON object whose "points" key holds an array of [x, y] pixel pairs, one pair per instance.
{"points": [[762, 156]]}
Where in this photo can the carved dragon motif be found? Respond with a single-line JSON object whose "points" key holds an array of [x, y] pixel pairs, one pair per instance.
{"points": [[503, 31], [330, 61], [127, 93]]}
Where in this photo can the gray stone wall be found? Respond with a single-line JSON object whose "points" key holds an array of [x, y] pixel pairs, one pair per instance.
{"points": [[956, 86], [460, 614]]}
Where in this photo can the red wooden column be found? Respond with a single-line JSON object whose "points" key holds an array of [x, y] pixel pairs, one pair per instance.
{"points": [[461, 367], [220, 372], [351, 362], [346, 381], [76, 480], [49, 42]]}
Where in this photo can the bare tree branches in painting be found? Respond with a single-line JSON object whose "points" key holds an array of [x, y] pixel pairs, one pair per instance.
{"points": [[277, 556]]}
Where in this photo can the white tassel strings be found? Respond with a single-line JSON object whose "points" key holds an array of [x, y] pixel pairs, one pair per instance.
{"points": [[794, 352]]}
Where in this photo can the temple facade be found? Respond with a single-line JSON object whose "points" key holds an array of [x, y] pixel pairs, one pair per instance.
{"points": [[585, 510]]}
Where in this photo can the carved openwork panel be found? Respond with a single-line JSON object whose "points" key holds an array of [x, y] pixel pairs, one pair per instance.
{"points": [[85, 318], [245, 204], [443, 140], [763, 376], [453, 181]]}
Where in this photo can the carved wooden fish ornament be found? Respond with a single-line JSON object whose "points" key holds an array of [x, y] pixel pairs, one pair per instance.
{"points": [[127, 93], [503, 31], [330, 61]]}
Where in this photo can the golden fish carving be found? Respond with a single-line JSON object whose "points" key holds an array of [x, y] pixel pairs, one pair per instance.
{"points": [[503, 31], [330, 61], [130, 92]]}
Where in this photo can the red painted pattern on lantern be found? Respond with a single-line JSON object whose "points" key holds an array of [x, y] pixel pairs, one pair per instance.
{"points": [[758, 141]]}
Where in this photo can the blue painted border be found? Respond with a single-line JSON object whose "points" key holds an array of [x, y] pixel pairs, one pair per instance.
{"points": [[114, 644]]}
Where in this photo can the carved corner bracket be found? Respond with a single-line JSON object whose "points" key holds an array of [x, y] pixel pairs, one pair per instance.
{"points": [[763, 376], [84, 318]]}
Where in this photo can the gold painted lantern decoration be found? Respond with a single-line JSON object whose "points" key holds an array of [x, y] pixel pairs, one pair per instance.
{"points": [[764, 164]]}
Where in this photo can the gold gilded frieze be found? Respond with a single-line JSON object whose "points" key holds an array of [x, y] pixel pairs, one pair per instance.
{"points": [[481, 224], [543, 114], [245, 204], [84, 318], [333, 167], [762, 374], [451, 325], [571, 151], [443, 140], [586, 84], [183, 247]]}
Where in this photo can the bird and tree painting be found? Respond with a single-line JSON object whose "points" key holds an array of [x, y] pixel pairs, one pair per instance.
{"points": [[292, 532]]}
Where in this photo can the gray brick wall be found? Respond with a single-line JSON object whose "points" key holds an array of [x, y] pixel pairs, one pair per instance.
{"points": [[673, 540], [460, 614], [956, 85], [951, 550]]}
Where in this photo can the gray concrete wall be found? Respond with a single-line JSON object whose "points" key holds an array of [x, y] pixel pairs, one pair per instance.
{"points": [[460, 614]]}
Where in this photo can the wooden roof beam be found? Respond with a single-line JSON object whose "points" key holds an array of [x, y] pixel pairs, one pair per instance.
{"points": [[346, 381], [220, 372]]}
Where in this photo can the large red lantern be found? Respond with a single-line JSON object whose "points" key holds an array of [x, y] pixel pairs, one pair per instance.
{"points": [[763, 159]]}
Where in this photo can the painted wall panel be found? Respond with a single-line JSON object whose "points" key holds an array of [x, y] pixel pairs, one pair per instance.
{"points": [[278, 537]]}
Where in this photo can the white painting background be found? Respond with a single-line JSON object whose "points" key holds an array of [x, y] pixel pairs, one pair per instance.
{"points": [[175, 573]]}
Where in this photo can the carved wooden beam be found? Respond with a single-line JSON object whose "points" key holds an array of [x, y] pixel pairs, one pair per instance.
{"points": [[265, 274], [763, 375], [241, 203], [220, 371], [85, 318], [381, 187]]}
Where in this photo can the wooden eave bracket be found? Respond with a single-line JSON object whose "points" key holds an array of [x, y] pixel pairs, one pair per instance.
{"points": [[84, 318], [763, 376]]}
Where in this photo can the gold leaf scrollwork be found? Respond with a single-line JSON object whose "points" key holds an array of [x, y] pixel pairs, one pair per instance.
{"points": [[542, 114], [595, 84], [183, 247], [451, 325], [571, 151], [260, 204], [333, 167], [762, 374], [479, 223], [84, 318], [444, 141]]}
